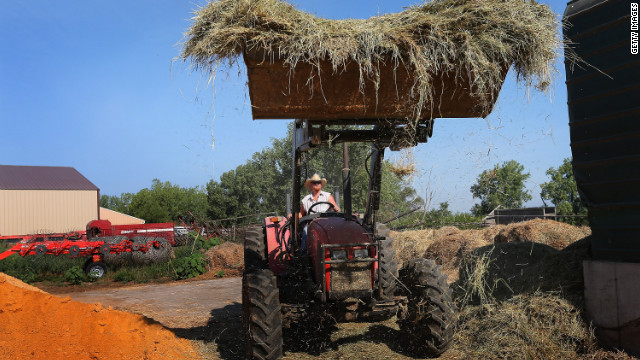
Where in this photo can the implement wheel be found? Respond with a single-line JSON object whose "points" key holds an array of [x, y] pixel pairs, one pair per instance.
{"points": [[261, 320], [255, 249], [41, 250], [95, 270], [431, 313]]}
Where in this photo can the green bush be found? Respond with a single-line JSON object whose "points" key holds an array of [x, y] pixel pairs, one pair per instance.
{"points": [[74, 275], [39, 268], [207, 244], [125, 275], [190, 266], [201, 242]]}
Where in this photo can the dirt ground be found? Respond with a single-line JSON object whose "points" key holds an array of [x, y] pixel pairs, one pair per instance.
{"points": [[531, 259], [174, 305], [209, 313]]}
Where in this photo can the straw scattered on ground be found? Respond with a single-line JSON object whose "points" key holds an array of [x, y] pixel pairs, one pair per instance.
{"points": [[519, 289], [479, 37]]}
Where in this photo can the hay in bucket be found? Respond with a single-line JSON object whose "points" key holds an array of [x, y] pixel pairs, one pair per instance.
{"points": [[477, 37]]}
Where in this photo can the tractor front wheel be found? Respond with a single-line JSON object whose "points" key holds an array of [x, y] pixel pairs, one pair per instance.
{"points": [[431, 313], [387, 262], [388, 268], [261, 320]]}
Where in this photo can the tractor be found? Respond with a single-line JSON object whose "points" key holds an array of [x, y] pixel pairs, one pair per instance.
{"points": [[348, 268]]}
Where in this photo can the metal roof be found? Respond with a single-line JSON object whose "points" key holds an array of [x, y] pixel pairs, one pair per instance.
{"points": [[42, 178]]}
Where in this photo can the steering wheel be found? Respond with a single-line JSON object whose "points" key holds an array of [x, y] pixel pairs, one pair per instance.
{"points": [[332, 207]]}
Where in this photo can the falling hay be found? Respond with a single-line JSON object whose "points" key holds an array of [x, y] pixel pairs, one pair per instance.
{"points": [[478, 37]]}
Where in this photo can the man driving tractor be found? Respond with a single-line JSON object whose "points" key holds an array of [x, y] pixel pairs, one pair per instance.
{"points": [[323, 198]]}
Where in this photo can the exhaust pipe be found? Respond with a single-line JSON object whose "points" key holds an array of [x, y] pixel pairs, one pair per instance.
{"points": [[346, 182], [288, 196]]}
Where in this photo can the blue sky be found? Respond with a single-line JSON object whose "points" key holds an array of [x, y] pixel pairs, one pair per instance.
{"points": [[91, 84]]}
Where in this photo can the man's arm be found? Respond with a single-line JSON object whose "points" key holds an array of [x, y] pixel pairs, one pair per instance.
{"points": [[333, 202]]}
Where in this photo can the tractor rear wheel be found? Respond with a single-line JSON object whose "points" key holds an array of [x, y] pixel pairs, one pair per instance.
{"points": [[431, 312], [261, 320], [255, 249]]}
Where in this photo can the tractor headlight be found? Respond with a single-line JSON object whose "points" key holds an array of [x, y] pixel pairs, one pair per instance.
{"points": [[361, 253], [338, 254]]}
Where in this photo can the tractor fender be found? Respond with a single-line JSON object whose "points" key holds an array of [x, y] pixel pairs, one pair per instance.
{"points": [[276, 251]]}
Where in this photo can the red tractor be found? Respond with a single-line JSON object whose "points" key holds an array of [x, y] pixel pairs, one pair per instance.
{"points": [[349, 267]]}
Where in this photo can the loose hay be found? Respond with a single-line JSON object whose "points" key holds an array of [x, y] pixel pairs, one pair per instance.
{"points": [[479, 37], [227, 257], [411, 244], [537, 326], [555, 234]]}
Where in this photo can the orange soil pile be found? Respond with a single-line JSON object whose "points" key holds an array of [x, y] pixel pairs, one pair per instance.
{"points": [[227, 257], [37, 325]]}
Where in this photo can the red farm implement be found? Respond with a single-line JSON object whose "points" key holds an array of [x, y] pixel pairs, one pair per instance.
{"points": [[100, 239]]}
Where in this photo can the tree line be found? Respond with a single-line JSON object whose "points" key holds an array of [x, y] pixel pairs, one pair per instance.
{"points": [[259, 186]]}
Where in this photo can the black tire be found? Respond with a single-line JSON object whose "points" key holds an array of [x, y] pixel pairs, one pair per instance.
{"points": [[74, 250], [261, 320], [180, 240], [431, 313], [95, 270], [255, 249], [387, 262], [41, 250], [388, 268]]}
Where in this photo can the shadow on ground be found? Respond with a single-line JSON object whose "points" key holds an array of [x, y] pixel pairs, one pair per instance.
{"points": [[505, 270], [222, 337]]}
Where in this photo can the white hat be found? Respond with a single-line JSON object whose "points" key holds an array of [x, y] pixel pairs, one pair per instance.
{"points": [[315, 177]]}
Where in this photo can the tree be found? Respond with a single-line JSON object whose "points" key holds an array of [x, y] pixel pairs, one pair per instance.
{"points": [[117, 203], [562, 190], [162, 202], [500, 186], [261, 183], [145, 205]]}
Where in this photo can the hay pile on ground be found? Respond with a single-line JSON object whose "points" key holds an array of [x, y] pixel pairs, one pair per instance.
{"points": [[449, 245], [37, 325], [412, 244], [555, 234], [520, 291], [226, 259], [479, 37]]}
